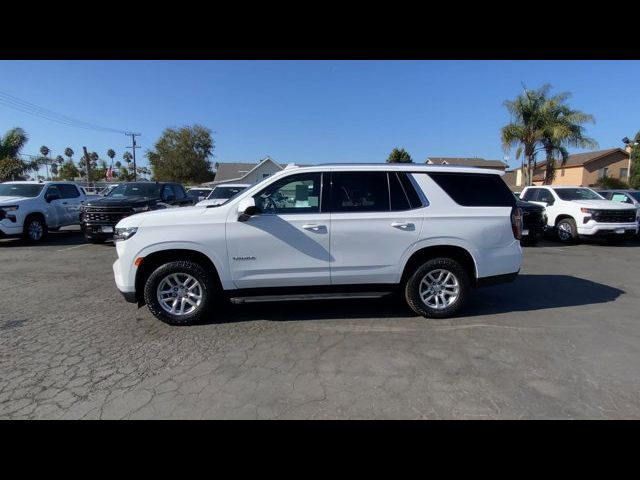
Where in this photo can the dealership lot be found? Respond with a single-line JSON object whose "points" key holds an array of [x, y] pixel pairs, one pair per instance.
{"points": [[563, 341]]}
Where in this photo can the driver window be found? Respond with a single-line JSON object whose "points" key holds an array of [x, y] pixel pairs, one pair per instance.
{"points": [[293, 194], [544, 195]]}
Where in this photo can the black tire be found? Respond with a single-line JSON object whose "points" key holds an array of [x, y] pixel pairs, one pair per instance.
{"points": [[413, 285], [33, 224], [209, 292], [566, 231]]}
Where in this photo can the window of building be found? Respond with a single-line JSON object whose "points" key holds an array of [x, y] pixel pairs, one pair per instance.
{"points": [[603, 172], [624, 172]]}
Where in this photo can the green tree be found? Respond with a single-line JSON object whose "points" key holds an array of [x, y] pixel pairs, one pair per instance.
{"points": [[634, 177], [59, 160], [182, 155], [111, 154], [68, 171], [11, 168], [525, 131], [562, 127], [399, 156], [611, 183], [11, 144], [54, 170]]}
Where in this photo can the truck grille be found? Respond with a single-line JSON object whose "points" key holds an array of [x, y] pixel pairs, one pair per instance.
{"points": [[615, 216], [105, 214]]}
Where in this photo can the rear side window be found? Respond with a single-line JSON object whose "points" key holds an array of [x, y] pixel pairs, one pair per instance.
{"points": [[179, 191], [398, 197], [475, 189], [68, 191], [359, 192]]}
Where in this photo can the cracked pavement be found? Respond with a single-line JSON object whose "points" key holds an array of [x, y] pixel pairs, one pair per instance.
{"points": [[562, 341]]}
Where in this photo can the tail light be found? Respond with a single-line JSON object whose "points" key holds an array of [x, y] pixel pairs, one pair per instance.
{"points": [[516, 223]]}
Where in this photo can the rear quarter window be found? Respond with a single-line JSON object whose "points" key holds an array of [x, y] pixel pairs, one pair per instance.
{"points": [[475, 189]]}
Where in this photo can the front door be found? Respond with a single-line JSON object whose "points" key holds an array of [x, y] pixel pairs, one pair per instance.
{"points": [[58, 213], [287, 244], [373, 223]]}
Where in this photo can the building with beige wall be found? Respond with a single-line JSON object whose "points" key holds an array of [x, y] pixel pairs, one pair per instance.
{"points": [[582, 169]]}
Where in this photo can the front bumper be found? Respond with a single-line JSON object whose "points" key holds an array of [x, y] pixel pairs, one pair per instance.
{"points": [[94, 230], [593, 229], [10, 229]]}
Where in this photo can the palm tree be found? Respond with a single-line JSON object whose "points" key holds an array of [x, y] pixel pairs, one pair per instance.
{"points": [[126, 156], [54, 169], [60, 160], [12, 143], [118, 164], [68, 153], [10, 146], [111, 154], [525, 131], [44, 151], [562, 128]]}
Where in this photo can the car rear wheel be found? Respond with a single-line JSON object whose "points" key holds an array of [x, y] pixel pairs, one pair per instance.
{"points": [[438, 288], [180, 293], [567, 231]]}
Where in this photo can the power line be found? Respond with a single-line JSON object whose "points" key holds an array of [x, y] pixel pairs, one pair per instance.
{"points": [[16, 103]]}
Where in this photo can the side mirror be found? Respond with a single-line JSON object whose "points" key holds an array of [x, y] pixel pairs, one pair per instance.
{"points": [[51, 196], [246, 209]]}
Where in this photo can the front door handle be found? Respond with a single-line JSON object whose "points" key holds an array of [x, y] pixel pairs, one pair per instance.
{"points": [[403, 225], [312, 226]]}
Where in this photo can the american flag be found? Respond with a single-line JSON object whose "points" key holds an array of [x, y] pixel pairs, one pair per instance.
{"points": [[109, 174]]}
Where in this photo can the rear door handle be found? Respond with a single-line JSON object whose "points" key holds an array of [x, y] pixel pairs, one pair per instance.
{"points": [[312, 226], [402, 225]]}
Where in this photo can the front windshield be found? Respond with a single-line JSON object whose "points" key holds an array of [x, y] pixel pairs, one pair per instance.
{"points": [[225, 192], [577, 194], [136, 190], [20, 190]]}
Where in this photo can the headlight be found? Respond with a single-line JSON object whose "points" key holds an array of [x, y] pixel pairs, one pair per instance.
{"points": [[124, 233], [6, 212], [588, 210], [10, 208]]}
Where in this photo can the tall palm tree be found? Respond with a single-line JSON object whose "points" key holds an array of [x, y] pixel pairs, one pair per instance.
{"points": [[525, 131], [111, 154], [68, 153], [44, 151], [60, 160], [563, 127]]}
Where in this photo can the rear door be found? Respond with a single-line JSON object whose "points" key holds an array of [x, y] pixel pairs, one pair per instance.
{"points": [[372, 225], [71, 202]]}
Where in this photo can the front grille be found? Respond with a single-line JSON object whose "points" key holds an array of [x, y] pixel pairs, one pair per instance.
{"points": [[105, 214], [615, 216]]}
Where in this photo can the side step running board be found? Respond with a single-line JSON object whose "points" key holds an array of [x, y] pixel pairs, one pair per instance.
{"points": [[307, 296]]}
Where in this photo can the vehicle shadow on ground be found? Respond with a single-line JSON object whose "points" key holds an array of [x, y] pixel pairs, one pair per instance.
{"points": [[526, 293], [62, 238]]}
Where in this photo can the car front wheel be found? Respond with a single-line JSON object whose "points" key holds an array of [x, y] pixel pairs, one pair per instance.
{"points": [[34, 229], [438, 288], [567, 230], [180, 293]]}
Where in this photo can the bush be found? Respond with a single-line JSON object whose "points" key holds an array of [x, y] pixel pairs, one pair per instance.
{"points": [[611, 183]]}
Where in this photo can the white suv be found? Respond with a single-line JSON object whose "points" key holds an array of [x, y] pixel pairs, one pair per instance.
{"points": [[330, 231], [575, 212]]}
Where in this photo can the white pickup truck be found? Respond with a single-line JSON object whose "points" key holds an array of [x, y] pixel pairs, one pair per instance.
{"points": [[31, 209], [577, 212]]}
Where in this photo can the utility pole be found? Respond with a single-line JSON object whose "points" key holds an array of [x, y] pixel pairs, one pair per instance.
{"points": [[133, 147]]}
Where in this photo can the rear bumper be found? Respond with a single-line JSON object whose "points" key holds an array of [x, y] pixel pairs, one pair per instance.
{"points": [[496, 279]]}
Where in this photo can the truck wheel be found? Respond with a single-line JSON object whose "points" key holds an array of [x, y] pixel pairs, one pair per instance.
{"points": [[35, 229], [438, 288], [180, 293], [567, 230]]}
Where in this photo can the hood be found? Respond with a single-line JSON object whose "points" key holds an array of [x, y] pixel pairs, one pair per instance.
{"points": [[213, 201], [168, 217], [119, 202], [528, 206], [12, 200], [604, 205]]}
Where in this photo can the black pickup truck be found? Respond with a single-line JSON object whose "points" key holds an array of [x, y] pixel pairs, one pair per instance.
{"points": [[534, 221], [99, 217]]}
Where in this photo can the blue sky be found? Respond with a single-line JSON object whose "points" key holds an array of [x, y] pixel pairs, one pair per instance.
{"points": [[311, 111]]}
